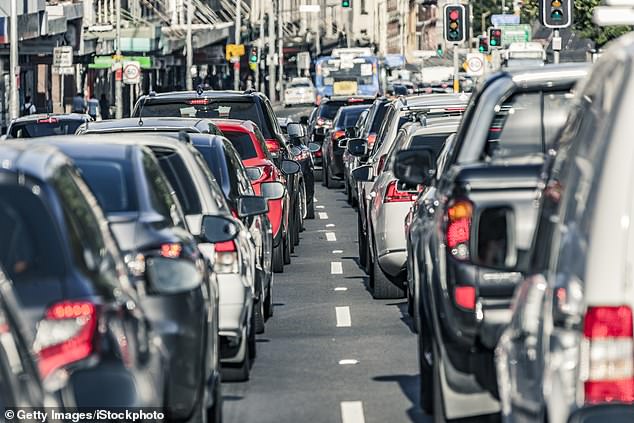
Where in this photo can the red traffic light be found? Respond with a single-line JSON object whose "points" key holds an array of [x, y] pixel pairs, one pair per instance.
{"points": [[454, 15]]}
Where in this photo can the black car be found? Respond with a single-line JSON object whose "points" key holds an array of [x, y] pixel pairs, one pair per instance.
{"points": [[248, 105], [46, 125], [154, 124], [343, 126], [182, 297], [93, 335], [303, 151]]}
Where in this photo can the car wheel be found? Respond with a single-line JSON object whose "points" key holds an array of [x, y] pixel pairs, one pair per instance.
{"points": [[268, 302], [298, 225], [382, 287], [348, 191], [310, 208], [362, 246], [324, 173], [214, 414], [278, 258], [258, 311], [426, 372], [251, 342], [287, 249], [330, 184], [239, 372], [437, 404], [410, 302]]}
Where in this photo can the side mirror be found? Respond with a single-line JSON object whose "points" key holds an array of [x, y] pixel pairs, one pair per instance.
{"points": [[252, 205], [272, 190], [216, 229], [254, 173], [290, 167], [171, 275], [295, 151], [363, 173], [314, 147], [295, 130], [343, 143], [415, 166], [357, 147], [303, 120]]}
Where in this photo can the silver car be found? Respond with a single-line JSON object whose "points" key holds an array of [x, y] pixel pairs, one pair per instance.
{"points": [[390, 201], [300, 91]]}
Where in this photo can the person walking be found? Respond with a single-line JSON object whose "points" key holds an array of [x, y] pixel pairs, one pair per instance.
{"points": [[79, 104], [93, 107], [29, 107], [104, 107]]}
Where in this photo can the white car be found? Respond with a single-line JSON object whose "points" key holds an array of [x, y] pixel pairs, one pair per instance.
{"points": [[300, 91]]}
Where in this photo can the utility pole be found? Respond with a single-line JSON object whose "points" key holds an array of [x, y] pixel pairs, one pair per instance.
{"points": [[556, 45], [271, 54], [456, 69], [118, 76], [470, 27], [236, 66], [14, 105], [280, 49], [260, 46], [190, 49]]}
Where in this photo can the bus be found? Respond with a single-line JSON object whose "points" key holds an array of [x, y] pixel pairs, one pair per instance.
{"points": [[346, 75]]}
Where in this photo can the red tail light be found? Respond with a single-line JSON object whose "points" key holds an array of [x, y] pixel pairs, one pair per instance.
{"points": [[393, 195], [48, 120], [608, 355], [379, 167], [226, 257], [198, 101], [234, 213], [371, 139], [225, 247], [273, 146], [459, 228], [318, 153], [172, 250], [66, 335], [338, 134], [465, 297]]}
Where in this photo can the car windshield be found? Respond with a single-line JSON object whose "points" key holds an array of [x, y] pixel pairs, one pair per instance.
{"points": [[29, 243], [299, 84], [208, 109], [112, 182], [44, 128], [243, 144]]}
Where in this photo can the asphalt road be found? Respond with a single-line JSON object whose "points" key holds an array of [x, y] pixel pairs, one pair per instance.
{"points": [[324, 314]]}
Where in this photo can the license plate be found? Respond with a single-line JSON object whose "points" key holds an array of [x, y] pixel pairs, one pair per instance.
{"points": [[344, 88]]}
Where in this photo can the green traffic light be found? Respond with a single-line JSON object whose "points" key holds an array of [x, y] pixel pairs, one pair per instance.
{"points": [[345, 3]]}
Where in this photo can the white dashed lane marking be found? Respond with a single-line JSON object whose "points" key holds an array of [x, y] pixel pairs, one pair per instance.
{"points": [[346, 361], [336, 268], [330, 236], [341, 288], [352, 412], [320, 207], [343, 317], [330, 225], [323, 215], [337, 251]]}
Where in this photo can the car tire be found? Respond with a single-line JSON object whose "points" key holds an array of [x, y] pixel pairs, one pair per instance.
{"points": [[310, 208], [277, 263], [287, 249], [382, 286], [363, 258], [438, 402], [238, 372], [324, 173], [251, 341], [214, 414], [348, 191], [268, 302], [330, 184], [426, 370], [258, 312]]}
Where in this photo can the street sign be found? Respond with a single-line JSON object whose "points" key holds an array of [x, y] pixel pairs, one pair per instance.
{"points": [[498, 20], [67, 70], [522, 33], [234, 50], [303, 60], [131, 72], [475, 64], [63, 57], [309, 8]]}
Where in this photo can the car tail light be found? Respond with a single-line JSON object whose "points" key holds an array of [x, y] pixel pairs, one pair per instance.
{"points": [[66, 335], [226, 257], [355, 100], [371, 139], [608, 355], [465, 297], [318, 153], [274, 147], [393, 195], [48, 120], [198, 101], [171, 250], [459, 228], [338, 134], [379, 167]]}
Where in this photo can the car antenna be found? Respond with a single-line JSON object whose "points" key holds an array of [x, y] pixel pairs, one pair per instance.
{"points": [[141, 110]]}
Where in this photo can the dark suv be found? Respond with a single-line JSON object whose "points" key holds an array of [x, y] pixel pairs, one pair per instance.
{"points": [[46, 125]]}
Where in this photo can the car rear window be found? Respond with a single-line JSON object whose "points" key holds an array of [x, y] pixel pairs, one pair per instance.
{"points": [[300, 84], [48, 127], [208, 109], [330, 109], [434, 142], [179, 177], [378, 118], [351, 117], [29, 243], [112, 182], [243, 144]]}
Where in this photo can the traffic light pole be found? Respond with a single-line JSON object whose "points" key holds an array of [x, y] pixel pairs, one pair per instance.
{"points": [[556, 45], [189, 48], [456, 69], [236, 66]]}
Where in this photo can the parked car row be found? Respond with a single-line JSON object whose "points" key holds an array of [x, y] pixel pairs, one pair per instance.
{"points": [[504, 218], [142, 251]]}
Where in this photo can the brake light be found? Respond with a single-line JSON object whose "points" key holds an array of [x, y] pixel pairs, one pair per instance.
{"points": [[318, 153], [459, 228], [608, 355], [66, 335], [226, 257], [274, 146], [379, 167], [198, 101], [48, 120], [393, 195], [338, 134], [355, 100], [171, 250], [465, 297], [371, 139]]}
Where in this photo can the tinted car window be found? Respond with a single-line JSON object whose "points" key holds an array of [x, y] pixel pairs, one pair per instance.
{"points": [[29, 242], [112, 182], [350, 118], [434, 142], [162, 196], [329, 110], [378, 118], [34, 129], [243, 144], [179, 177]]}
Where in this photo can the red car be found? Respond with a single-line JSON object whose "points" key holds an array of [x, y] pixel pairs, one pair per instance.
{"points": [[256, 157]]}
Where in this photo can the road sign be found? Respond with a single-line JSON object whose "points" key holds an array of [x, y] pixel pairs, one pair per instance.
{"points": [[498, 20], [303, 60], [131, 72], [475, 64], [234, 50], [63, 57], [522, 33], [66, 70], [309, 8]]}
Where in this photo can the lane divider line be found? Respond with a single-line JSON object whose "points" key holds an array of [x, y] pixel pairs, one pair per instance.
{"points": [[352, 412], [330, 225], [337, 251], [323, 215], [336, 268], [341, 288], [330, 236], [346, 361], [320, 207], [343, 317]]}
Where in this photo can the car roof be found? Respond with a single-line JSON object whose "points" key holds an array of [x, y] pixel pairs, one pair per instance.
{"points": [[91, 145], [347, 99], [36, 161], [59, 116], [235, 124], [434, 99], [554, 75], [147, 123], [356, 107], [211, 94]]}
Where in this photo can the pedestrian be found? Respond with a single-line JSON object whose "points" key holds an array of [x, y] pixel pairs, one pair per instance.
{"points": [[93, 107], [104, 107], [28, 108], [79, 104]]}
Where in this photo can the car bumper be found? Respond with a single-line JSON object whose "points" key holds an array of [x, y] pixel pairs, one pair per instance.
{"points": [[235, 306]]}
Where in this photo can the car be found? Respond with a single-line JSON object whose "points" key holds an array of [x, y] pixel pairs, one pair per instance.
{"points": [[569, 341], [343, 126], [303, 151], [391, 201], [152, 124], [464, 303], [300, 91], [349, 159], [147, 220], [73, 288], [247, 138], [398, 113], [248, 105], [43, 125]]}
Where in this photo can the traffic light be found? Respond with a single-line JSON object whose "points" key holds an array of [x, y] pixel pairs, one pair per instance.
{"points": [[556, 13], [495, 38], [455, 23], [483, 44], [439, 50], [253, 55], [345, 3]]}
